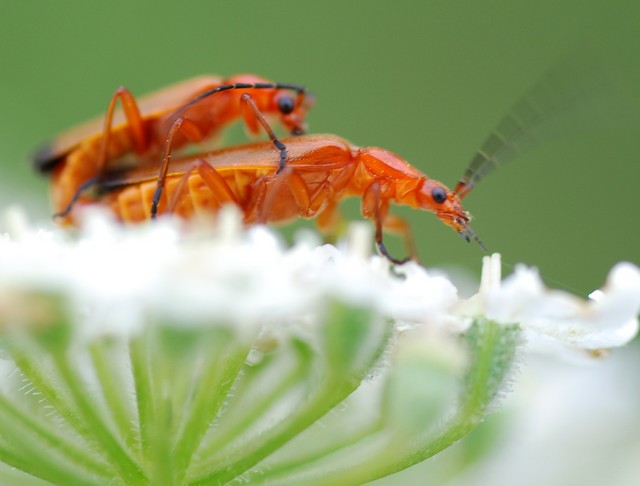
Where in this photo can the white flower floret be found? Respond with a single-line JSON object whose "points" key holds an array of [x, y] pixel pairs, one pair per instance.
{"points": [[608, 319]]}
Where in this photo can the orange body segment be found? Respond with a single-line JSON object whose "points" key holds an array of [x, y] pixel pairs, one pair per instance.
{"points": [[321, 171], [137, 135]]}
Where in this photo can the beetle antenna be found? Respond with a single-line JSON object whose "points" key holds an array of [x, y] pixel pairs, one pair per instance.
{"points": [[468, 234], [301, 90], [569, 97]]}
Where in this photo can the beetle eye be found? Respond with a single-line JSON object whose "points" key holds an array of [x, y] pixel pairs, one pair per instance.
{"points": [[286, 105], [439, 195]]}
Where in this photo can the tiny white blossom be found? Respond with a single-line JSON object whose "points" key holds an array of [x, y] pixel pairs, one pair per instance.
{"points": [[607, 320]]}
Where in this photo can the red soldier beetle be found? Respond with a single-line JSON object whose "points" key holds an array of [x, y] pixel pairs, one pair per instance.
{"points": [[151, 127], [321, 170]]}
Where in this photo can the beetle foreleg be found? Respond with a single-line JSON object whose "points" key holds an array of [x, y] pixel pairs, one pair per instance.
{"points": [[399, 226], [249, 104], [375, 207]]}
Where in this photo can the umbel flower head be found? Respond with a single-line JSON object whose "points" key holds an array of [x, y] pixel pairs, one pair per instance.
{"points": [[154, 355]]}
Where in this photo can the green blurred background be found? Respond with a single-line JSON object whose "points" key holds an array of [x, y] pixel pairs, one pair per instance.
{"points": [[426, 79]]}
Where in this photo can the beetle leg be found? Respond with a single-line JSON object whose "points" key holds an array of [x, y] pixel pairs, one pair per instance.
{"points": [[399, 226], [180, 189], [212, 179], [374, 206], [323, 204], [249, 104], [192, 132], [270, 189], [330, 222], [81, 188], [134, 119]]}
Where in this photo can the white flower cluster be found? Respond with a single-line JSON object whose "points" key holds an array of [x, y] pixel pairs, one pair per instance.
{"points": [[250, 345], [112, 275], [607, 319], [248, 278]]}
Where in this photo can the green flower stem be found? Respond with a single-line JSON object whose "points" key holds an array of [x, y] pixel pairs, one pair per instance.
{"points": [[27, 454], [61, 387], [43, 437], [214, 384], [354, 341], [167, 383], [139, 356], [276, 437], [250, 413], [492, 348], [160, 459], [16, 477], [130, 472], [11, 458], [337, 450], [47, 386], [56, 392], [113, 392]]}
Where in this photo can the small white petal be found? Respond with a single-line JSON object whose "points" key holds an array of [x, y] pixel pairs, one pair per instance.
{"points": [[606, 322], [422, 298]]}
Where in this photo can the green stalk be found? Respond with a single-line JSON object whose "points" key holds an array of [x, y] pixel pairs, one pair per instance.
{"points": [[130, 472], [15, 477], [27, 454], [163, 470], [140, 368], [353, 340], [337, 450], [234, 427], [49, 390], [252, 453], [113, 393], [492, 349], [47, 439], [20, 462], [161, 371], [214, 384]]}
